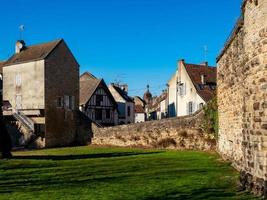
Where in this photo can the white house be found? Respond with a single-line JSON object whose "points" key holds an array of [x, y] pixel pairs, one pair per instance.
{"points": [[191, 87], [140, 115], [125, 103]]}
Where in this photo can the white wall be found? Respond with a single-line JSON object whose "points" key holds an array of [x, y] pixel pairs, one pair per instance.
{"points": [[190, 94], [139, 117], [31, 87], [172, 95]]}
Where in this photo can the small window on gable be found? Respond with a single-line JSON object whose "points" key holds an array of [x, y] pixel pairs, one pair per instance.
{"points": [[18, 80]]}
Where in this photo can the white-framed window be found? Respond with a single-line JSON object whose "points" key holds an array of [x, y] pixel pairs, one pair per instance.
{"points": [[190, 108], [69, 102], [18, 80], [182, 89]]}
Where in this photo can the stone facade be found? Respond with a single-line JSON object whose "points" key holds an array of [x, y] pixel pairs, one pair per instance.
{"points": [[242, 96], [183, 133]]}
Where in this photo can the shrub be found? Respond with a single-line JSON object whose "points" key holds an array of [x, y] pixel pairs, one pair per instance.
{"points": [[210, 122], [166, 142]]}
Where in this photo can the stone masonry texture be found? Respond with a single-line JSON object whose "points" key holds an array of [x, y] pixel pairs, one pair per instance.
{"points": [[183, 133], [242, 96]]}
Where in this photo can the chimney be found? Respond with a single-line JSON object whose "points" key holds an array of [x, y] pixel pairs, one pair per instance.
{"points": [[205, 64], [20, 46], [203, 79]]}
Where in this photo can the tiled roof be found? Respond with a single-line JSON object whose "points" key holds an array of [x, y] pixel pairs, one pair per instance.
{"points": [[32, 53], [139, 109], [88, 85], [206, 91], [122, 93]]}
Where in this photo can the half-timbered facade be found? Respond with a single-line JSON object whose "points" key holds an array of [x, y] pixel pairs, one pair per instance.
{"points": [[96, 101]]}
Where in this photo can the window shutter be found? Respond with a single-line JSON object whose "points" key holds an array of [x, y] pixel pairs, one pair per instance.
{"points": [[187, 108], [72, 102], [184, 89], [66, 102]]}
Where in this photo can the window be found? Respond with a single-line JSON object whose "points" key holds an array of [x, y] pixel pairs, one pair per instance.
{"points": [[98, 114], [99, 99], [201, 105], [190, 108], [129, 111], [69, 102], [60, 102], [66, 102], [18, 80], [108, 114], [182, 89]]}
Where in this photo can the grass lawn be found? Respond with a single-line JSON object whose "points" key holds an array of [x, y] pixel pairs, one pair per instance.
{"points": [[117, 173]]}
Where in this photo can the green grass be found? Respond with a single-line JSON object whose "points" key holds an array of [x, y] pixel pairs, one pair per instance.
{"points": [[117, 173]]}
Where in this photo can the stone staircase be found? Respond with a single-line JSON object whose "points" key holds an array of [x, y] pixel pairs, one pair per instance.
{"points": [[28, 131]]}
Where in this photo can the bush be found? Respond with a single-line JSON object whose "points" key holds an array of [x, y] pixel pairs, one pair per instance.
{"points": [[210, 122], [166, 142]]}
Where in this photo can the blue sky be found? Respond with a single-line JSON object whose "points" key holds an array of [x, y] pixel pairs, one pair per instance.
{"points": [[132, 41]]}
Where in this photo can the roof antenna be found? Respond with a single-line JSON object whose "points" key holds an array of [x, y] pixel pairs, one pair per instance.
{"points": [[205, 53], [21, 30]]}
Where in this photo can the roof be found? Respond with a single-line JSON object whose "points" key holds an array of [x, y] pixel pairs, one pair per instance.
{"points": [[33, 53], [206, 91], [139, 109], [88, 85], [138, 100], [122, 93]]}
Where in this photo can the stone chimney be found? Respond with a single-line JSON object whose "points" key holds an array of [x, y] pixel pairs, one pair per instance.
{"points": [[20, 46]]}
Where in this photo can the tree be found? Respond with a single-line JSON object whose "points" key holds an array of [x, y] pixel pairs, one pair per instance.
{"points": [[5, 140]]}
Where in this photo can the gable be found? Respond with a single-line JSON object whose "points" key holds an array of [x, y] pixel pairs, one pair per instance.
{"points": [[205, 91]]}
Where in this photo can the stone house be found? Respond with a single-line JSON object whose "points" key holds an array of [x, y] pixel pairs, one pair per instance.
{"points": [[96, 101], [125, 103], [158, 107], [140, 114], [41, 82], [242, 96], [190, 88]]}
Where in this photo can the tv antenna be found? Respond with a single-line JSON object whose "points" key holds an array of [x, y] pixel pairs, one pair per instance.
{"points": [[21, 30], [205, 52]]}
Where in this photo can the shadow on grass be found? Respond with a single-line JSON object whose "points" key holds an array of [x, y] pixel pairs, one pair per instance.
{"points": [[81, 156], [196, 194]]}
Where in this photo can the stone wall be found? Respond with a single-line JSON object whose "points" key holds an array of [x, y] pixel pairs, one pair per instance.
{"points": [[242, 96], [62, 78], [174, 133]]}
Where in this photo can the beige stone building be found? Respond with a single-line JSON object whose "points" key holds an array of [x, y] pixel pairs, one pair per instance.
{"points": [[41, 82], [242, 96]]}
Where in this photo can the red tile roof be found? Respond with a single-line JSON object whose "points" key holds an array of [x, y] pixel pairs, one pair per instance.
{"points": [[207, 90], [139, 109]]}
